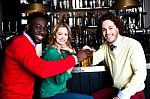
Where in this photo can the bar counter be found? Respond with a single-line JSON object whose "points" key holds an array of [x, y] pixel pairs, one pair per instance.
{"points": [[100, 68], [87, 80]]}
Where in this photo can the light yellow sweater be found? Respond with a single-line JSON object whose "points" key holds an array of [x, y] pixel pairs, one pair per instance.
{"points": [[126, 63]]}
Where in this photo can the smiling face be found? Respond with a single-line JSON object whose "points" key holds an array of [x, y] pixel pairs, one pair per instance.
{"points": [[38, 29], [110, 31], [61, 35]]}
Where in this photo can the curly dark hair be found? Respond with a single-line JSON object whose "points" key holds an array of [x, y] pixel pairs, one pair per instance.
{"points": [[113, 17]]}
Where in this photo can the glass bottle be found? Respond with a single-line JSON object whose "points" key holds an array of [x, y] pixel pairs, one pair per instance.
{"points": [[85, 3], [78, 20], [65, 4], [70, 19], [61, 4], [54, 4], [85, 20], [55, 19], [93, 20]]}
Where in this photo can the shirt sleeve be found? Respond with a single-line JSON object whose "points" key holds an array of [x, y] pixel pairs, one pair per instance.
{"points": [[122, 96], [25, 54], [98, 56]]}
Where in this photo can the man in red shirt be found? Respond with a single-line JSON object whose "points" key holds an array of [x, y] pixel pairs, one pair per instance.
{"points": [[22, 64]]}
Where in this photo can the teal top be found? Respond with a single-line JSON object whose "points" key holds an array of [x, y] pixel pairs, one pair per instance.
{"points": [[56, 84]]}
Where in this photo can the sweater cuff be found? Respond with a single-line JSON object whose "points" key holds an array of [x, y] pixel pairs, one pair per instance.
{"points": [[122, 96], [76, 60]]}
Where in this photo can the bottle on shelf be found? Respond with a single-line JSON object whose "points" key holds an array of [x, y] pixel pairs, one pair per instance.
{"points": [[74, 19], [93, 4], [102, 3], [78, 20], [80, 3], [80, 34], [98, 3], [64, 18], [68, 4], [54, 5], [85, 32], [55, 19], [98, 15], [61, 4], [77, 2], [85, 3], [85, 20], [65, 4], [73, 3], [93, 19], [70, 19], [76, 39]]}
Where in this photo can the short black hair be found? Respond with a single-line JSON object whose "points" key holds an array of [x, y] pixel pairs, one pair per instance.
{"points": [[34, 15]]}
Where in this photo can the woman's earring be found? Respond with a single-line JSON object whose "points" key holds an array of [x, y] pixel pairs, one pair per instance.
{"points": [[54, 37]]}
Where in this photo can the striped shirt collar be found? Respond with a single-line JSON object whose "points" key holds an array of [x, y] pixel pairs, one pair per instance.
{"points": [[29, 38]]}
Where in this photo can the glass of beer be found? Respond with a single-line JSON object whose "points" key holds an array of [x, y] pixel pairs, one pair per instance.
{"points": [[88, 61]]}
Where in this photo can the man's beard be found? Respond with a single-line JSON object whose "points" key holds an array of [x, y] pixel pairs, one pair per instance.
{"points": [[32, 37]]}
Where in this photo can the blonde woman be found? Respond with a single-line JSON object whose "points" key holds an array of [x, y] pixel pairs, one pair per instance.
{"points": [[59, 47]]}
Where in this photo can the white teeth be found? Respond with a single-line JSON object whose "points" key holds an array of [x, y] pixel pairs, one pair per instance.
{"points": [[39, 37]]}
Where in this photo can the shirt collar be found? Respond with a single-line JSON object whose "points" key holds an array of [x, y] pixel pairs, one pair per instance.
{"points": [[29, 38], [118, 40]]}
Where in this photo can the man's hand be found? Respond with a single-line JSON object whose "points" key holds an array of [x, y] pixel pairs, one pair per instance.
{"points": [[81, 55]]}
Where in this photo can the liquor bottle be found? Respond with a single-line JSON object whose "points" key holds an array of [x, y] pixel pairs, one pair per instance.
{"points": [[73, 39], [76, 39], [93, 4], [85, 20], [102, 3], [61, 4], [55, 4], [78, 20], [68, 4], [65, 4], [77, 4], [50, 4], [70, 19], [55, 19], [81, 4], [64, 19], [74, 19], [106, 3], [98, 3], [73, 4], [81, 43], [85, 3], [93, 20], [85, 32], [110, 3], [98, 15]]}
